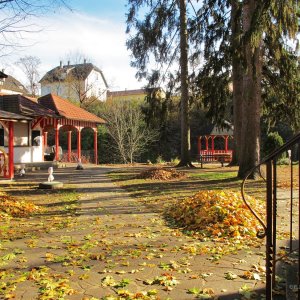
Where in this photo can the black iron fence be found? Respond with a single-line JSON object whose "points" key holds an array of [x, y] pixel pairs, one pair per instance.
{"points": [[280, 228]]}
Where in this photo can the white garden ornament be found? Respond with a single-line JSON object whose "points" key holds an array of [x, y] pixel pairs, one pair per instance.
{"points": [[50, 172]]}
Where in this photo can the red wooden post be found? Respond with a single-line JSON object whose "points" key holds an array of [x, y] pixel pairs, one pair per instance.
{"points": [[56, 144], [199, 145], [69, 145], [213, 144], [11, 150], [206, 143], [226, 143], [96, 147], [44, 143], [45, 139], [79, 144]]}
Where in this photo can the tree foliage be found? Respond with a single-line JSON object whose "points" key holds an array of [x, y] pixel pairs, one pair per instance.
{"points": [[237, 40], [161, 40]]}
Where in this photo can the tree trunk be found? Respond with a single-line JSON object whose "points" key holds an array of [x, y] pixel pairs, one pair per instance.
{"points": [[237, 80], [250, 138], [185, 159]]}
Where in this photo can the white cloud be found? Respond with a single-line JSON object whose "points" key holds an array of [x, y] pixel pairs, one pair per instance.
{"points": [[101, 40]]}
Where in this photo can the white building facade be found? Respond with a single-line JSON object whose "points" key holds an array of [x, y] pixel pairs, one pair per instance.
{"points": [[75, 82]]}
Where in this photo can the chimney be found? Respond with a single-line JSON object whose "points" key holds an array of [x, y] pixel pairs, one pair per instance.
{"points": [[68, 62], [60, 64], [84, 61]]}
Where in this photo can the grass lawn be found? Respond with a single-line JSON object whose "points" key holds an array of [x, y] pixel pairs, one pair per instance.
{"points": [[159, 193], [211, 177]]}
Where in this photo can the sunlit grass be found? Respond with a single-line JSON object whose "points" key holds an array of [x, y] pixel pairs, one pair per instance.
{"points": [[158, 194], [214, 175]]}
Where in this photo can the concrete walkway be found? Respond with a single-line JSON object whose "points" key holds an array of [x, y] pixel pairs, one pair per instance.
{"points": [[112, 246]]}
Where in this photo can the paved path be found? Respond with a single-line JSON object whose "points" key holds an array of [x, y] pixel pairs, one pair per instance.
{"points": [[112, 243]]}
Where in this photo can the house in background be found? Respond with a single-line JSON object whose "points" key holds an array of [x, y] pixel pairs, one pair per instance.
{"points": [[75, 82], [10, 85], [138, 95], [135, 95]]}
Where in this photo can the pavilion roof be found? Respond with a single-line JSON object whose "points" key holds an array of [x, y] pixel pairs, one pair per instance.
{"points": [[68, 110], [6, 115], [228, 130], [21, 105]]}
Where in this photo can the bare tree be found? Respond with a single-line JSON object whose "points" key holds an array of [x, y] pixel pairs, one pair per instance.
{"points": [[18, 17], [127, 128], [29, 65], [76, 57]]}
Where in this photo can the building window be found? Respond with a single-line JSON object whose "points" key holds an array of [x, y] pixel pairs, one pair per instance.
{"points": [[35, 138]]}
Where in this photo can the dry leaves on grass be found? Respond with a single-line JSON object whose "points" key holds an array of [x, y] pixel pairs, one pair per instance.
{"points": [[216, 214], [11, 207], [161, 174]]}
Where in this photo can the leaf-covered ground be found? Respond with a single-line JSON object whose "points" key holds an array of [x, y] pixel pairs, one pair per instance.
{"points": [[217, 214], [91, 240], [161, 174]]}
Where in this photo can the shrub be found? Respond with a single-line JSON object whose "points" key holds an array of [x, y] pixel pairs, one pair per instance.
{"points": [[160, 160], [272, 142], [284, 161], [175, 161]]}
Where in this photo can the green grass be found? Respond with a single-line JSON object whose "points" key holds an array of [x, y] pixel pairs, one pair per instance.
{"points": [[158, 194], [214, 175]]}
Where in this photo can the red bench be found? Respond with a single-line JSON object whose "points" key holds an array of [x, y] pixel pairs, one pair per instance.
{"points": [[215, 157]]}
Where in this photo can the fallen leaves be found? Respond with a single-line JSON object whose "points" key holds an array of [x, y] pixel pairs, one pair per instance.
{"points": [[12, 207], [161, 174], [230, 275], [166, 280], [247, 292], [216, 214], [206, 293]]}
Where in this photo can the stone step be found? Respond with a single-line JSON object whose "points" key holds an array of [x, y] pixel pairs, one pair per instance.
{"points": [[292, 282]]}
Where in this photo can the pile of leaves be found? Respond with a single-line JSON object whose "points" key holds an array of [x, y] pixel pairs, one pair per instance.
{"points": [[161, 174], [216, 214], [12, 207]]}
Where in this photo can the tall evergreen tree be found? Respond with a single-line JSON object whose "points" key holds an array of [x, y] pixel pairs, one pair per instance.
{"points": [[237, 78], [249, 154], [249, 49], [266, 26], [163, 31]]}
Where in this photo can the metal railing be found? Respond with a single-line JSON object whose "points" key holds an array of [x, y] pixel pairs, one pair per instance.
{"points": [[281, 225]]}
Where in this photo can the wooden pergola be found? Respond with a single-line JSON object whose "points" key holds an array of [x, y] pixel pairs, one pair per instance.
{"points": [[69, 116], [209, 150], [47, 112]]}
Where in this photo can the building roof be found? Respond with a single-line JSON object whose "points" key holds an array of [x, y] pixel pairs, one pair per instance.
{"points": [[68, 72], [3, 75], [12, 84], [126, 93], [226, 130], [68, 110], [19, 104], [6, 115]]}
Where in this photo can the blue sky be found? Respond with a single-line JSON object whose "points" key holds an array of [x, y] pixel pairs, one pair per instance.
{"points": [[95, 28], [105, 8]]}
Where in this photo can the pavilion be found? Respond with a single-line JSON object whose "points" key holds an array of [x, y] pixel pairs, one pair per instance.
{"points": [[24, 121], [209, 139]]}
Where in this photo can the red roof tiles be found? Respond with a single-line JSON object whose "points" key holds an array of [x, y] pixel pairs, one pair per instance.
{"points": [[68, 110]]}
